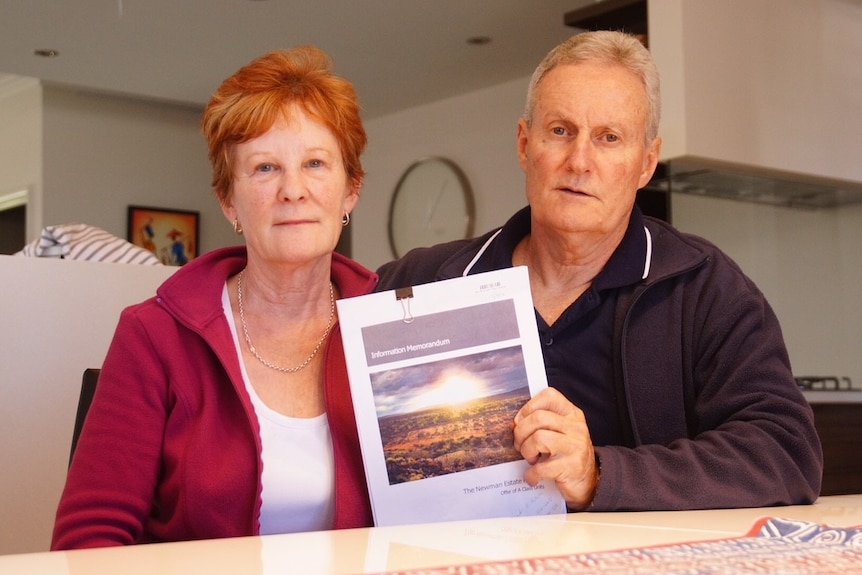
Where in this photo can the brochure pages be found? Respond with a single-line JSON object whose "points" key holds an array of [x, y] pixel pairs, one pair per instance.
{"points": [[437, 373]]}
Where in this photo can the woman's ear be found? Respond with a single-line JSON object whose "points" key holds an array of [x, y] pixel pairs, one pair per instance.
{"points": [[227, 208], [353, 193]]}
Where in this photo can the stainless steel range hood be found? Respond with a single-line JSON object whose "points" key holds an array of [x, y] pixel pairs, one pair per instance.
{"points": [[705, 177], [760, 102]]}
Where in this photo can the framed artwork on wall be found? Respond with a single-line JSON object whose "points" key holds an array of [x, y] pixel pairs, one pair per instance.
{"points": [[172, 235]]}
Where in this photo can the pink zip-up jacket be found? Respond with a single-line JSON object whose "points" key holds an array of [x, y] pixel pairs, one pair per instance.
{"points": [[171, 448]]}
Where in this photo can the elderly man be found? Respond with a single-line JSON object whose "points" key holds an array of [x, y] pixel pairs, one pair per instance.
{"points": [[670, 383]]}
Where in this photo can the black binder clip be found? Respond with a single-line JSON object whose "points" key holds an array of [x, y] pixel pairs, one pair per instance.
{"points": [[404, 295]]}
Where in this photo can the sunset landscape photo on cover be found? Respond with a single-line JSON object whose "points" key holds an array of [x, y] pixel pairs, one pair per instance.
{"points": [[450, 415]]}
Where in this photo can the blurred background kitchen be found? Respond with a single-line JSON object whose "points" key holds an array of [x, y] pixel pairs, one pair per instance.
{"points": [[762, 127]]}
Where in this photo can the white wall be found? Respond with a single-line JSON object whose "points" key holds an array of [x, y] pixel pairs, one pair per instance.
{"points": [[102, 154], [21, 142], [85, 157], [477, 131], [770, 83]]}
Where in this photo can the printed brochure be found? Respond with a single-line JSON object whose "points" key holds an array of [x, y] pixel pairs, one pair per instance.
{"points": [[437, 373]]}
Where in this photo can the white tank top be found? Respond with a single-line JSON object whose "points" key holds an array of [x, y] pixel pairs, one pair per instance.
{"points": [[298, 467]]}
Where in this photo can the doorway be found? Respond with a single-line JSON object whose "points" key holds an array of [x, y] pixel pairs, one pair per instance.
{"points": [[13, 222]]}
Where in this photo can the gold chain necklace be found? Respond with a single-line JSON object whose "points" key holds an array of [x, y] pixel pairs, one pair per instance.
{"points": [[251, 347]]}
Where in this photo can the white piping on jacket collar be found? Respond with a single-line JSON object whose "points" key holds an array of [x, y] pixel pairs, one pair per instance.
{"points": [[647, 260], [481, 251]]}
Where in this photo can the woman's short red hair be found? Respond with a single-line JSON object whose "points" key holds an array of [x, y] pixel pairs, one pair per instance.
{"points": [[249, 103]]}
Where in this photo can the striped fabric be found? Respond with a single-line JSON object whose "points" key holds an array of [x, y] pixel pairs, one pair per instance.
{"points": [[83, 242]]}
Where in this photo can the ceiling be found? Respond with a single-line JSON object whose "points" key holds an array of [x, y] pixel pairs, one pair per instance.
{"points": [[398, 53]]}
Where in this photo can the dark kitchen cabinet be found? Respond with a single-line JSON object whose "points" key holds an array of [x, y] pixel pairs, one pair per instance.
{"points": [[840, 428]]}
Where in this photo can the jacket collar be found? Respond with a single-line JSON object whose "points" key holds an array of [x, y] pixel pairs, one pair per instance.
{"points": [[651, 247], [193, 293]]}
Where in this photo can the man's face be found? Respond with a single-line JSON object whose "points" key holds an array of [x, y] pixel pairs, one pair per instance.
{"points": [[585, 154]]}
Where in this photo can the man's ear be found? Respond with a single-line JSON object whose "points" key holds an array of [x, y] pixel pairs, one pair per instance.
{"points": [[523, 137], [650, 162]]}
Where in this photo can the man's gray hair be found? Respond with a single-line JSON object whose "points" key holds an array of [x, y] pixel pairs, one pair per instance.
{"points": [[608, 47]]}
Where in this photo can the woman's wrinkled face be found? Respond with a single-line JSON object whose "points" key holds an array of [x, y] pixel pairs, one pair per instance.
{"points": [[290, 190]]}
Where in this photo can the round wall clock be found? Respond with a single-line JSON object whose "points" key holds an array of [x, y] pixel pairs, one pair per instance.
{"points": [[432, 203]]}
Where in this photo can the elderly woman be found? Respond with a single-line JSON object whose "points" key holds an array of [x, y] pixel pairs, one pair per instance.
{"points": [[223, 406]]}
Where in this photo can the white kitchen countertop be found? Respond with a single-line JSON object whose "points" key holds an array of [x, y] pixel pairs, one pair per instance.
{"points": [[834, 396]]}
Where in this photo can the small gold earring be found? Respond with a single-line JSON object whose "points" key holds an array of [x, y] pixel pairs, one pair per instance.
{"points": [[237, 227], [346, 219]]}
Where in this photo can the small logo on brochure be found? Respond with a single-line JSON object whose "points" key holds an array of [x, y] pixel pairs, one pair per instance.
{"points": [[490, 286]]}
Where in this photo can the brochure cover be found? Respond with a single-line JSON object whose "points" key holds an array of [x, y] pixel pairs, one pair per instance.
{"points": [[437, 373]]}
